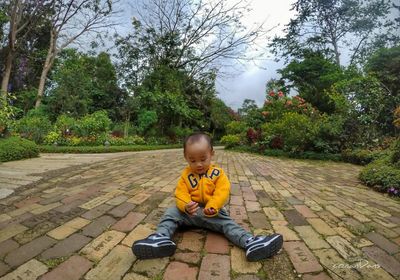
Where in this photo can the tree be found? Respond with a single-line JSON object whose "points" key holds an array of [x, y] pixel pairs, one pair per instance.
{"points": [[250, 113], [23, 16], [220, 116], [80, 84], [70, 86], [70, 19], [330, 25], [385, 65], [185, 34], [168, 92], [247, 106], [276, 85], [312, 76]]}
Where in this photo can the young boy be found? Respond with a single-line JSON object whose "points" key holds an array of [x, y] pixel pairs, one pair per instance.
{"points": [[201, 193]]}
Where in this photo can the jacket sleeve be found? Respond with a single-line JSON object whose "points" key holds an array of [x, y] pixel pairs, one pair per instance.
{"points": [[182, 195], [221, 193]]}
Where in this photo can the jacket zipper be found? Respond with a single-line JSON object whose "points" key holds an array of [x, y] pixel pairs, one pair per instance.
{"points": [[201, 190]]}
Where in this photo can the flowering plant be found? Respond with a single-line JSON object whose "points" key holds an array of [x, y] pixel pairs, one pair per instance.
{"points": [[276, 104], [393, 192]]}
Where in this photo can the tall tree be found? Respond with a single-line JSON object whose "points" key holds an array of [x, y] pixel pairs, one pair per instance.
{"points": [[185, 34], [80, 84], [330, 26], [311, 76], [70, 19], [22, 17]]}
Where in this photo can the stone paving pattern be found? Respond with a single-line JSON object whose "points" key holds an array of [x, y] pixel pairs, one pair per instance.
{"points": [[79, 223]]}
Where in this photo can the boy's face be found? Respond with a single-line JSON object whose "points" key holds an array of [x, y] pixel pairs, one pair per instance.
{"points": [[199, 155]]}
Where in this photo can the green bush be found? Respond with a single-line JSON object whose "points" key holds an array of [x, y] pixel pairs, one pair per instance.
{"points": [[14, 148], [159, 140], [53, 137], [328, 133], [231, 140], [146, 120], [7, 112], [179, 133], [361, 156], [395, 158], [130, 140], [295, 129], [236, 127], [118, 129], [381, 175], [94, 124], [34, 126], [104, 149], [65, 124]]}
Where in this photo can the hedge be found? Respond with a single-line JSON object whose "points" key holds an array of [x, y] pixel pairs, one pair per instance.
{"points": [[104, 149], [15, 148], [381, 175]]}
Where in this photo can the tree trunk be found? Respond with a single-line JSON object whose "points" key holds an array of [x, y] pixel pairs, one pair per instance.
{"points": [[12, 37], [51, 53], [126, 126], [337, 53], [6, 74]]}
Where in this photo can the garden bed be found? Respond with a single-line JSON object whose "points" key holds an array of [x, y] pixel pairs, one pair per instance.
{"points": [[104, 149]]}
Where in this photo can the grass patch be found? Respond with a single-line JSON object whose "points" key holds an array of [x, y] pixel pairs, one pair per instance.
{"points": [[103, 149], [52, 263]]}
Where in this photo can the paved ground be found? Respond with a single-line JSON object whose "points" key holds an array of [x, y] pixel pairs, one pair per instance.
{"points": [[80, 221]]}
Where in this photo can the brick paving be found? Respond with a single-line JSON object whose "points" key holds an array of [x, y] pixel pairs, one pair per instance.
{"points": [[77, 220]]}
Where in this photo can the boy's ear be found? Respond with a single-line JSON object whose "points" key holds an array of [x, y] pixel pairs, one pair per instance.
{"points": [[212, 152]]}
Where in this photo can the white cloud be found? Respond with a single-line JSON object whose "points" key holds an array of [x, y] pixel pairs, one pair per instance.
{"points": [[251, 83]]}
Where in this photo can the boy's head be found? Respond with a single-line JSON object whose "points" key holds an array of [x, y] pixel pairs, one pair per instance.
{"points": [[198, 151]]}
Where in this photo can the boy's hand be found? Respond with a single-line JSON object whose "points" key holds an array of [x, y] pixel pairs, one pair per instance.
{"points": [[209, 211], [191, 208]]}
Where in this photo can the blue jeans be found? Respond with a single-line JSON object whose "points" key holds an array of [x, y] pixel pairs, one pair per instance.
{"points": [[223, 223]]}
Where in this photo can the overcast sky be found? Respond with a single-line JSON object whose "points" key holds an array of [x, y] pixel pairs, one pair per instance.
{"points": [[250, 83]]}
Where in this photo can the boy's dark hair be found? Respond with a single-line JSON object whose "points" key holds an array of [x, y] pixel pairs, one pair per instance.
{"points": [[196, 137]]}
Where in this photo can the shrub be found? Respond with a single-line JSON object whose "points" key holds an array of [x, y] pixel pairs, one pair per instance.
{"points": [[157, 140], [381, 175], [7, 112], [276, 142], [94, 124], [177, 134], [361, 156], [231, 140], [146, 120], [130, 140], [277, 104], [252, 135], [53, 137], [328, 133], [236, 127], [395, 158], [65, 125], [104, 149], [33, 126], [295, 129], [14, 148]]}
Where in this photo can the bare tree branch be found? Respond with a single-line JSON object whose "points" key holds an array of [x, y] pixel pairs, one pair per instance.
{"points": [[71, 20]]}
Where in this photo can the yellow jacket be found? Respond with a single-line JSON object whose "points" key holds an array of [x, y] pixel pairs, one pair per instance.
{"points": [[211, 189]]}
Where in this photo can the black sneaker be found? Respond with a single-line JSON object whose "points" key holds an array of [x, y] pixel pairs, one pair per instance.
{"points": [[155, 245], [262, 247]]}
